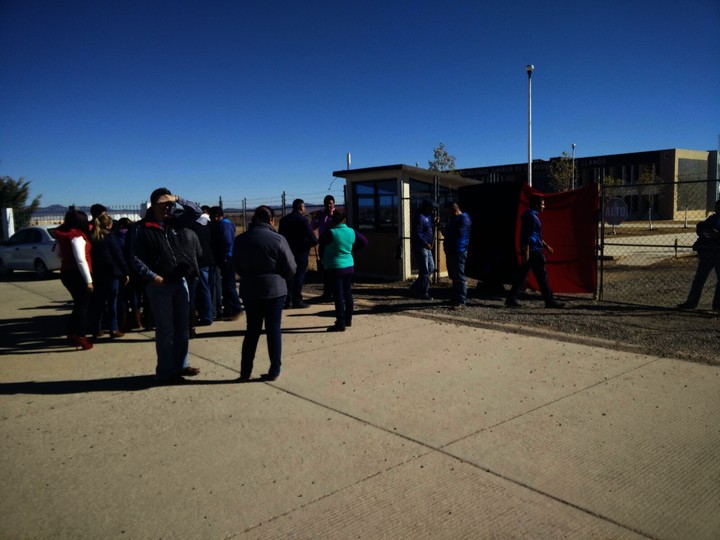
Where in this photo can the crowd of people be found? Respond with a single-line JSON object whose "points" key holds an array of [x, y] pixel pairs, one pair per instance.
{"points": [[175, 270]]}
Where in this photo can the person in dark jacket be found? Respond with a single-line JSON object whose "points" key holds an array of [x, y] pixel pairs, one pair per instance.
{"points": [[708, 250], [223, 237], [109, 269], [263, 259], [162, 260], [300, 237], [206, 263], [456, 238], [422, 237], [532, 248]]}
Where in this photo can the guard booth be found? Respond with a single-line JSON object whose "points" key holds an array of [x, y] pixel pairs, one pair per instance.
{"points": [[381, 203]]}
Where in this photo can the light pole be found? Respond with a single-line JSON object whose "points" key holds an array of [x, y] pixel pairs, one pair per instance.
{"points": [[573, 165], [529, 68]]}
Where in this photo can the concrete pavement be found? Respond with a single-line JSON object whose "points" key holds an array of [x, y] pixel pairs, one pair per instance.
{"points": [[400, 427]]}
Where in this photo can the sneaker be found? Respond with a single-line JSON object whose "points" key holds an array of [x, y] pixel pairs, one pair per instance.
{"points": [[189, 371], [268, 377]]}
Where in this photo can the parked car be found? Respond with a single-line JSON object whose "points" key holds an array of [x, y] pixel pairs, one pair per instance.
{"points": [[31, 248]]}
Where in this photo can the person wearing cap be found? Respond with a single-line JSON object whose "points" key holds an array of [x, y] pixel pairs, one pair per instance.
{"points": [[162, 260], [421, 238]]}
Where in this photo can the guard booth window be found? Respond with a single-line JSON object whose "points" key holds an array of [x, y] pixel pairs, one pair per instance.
{"points": [[376, 205]]}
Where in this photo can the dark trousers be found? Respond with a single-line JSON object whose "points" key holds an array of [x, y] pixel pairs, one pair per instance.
{"points": [[536, 263], [342, 289], [295, 284], [708, 260], [257, 311], [230, 297], [78, 289]]}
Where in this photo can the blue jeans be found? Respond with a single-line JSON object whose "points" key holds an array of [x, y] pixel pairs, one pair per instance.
{"points": [[257, 311], [342, 289], [456, 271], [426, 266], [215, 279], [295, 283], [171, 309], [203, 299]]}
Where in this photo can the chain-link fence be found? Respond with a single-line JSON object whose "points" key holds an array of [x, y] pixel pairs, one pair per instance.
{"points": [[646, 240]]}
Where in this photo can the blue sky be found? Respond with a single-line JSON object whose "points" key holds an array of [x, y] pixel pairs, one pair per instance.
{"points": [[104, 100]]}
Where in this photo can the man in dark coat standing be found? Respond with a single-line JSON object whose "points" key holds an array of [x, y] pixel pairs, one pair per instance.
{"points": [[300, 237]]}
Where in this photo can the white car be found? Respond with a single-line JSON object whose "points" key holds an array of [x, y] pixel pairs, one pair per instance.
{"points": [[31, 248]]}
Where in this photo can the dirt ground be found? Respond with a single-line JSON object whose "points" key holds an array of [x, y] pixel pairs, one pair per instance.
{"points": [[658, 331]]}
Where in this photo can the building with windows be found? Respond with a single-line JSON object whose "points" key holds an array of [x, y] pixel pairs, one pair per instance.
{"points": [[669, 184], [657, 182], [379, 203]]}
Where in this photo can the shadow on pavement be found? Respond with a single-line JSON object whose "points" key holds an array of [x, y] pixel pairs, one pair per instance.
{"points": [[119, 384]]}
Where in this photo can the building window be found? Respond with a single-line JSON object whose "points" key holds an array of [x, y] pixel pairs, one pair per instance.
{"points": [[422, 190], [376, 205]]}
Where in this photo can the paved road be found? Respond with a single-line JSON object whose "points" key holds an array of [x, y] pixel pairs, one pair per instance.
{"points": [[399, 428]]}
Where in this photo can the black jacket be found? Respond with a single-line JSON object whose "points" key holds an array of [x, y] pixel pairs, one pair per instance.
{"points": [[108, 258], [163, 251], [298, 233]]}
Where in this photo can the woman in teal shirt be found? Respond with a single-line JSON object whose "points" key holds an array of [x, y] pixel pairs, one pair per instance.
{"points": [[340, 242]]}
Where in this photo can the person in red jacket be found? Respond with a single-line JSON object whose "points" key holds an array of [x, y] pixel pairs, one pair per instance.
{"points": [[76, 272]]}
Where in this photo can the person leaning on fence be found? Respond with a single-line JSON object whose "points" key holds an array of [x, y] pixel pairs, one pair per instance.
{"points": [[708, 250], [533, 258]]}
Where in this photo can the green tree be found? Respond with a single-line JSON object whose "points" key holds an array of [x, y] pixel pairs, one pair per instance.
{"points": [[443, 161], [14, 194], [561, 173]]}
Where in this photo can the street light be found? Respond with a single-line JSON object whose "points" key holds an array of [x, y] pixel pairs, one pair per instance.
{"points": [[573, 165], [529, 68]]}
